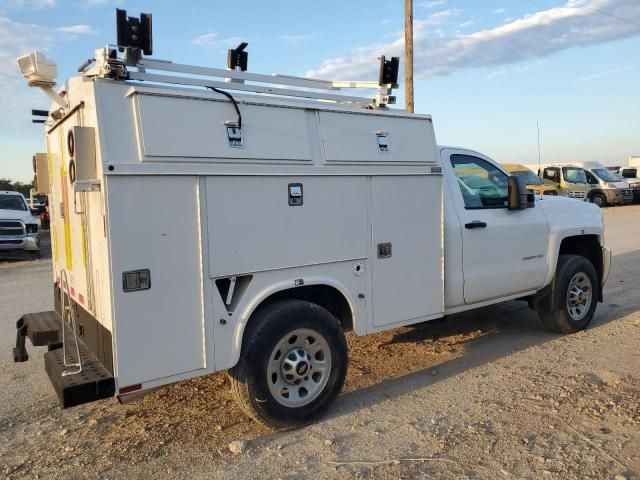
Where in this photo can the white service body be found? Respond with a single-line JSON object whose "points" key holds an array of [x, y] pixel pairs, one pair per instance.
{"points": [[382, 221]]}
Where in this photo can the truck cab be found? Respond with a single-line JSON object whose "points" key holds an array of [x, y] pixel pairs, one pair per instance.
{"points": [[492, 252]]}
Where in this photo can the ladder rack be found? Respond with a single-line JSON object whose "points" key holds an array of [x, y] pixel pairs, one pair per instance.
{"points": [[162, 71]]}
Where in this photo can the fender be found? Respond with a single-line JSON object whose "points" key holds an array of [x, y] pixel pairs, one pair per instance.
{"points": [[280, 286], [593, 191], [555, 240]]}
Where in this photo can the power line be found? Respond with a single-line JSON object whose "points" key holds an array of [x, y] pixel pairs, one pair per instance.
{"points": [[602, 12]]}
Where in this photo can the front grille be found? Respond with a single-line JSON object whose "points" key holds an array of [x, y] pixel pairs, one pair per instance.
{"points": [[11, 228], [576, 194], [10, 242]]}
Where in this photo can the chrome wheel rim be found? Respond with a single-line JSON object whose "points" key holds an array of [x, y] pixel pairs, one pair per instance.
{"points": [[299, 367], [579, 296]]}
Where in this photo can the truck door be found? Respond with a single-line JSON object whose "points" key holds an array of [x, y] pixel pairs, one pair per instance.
{"points": [[504, 252], [552, 175]]}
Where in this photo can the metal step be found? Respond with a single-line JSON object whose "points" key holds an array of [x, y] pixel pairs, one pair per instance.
{"points": [[42, 328], [92, 383]]}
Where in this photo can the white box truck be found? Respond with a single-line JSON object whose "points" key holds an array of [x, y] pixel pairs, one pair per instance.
{"points": [[198, 230]]}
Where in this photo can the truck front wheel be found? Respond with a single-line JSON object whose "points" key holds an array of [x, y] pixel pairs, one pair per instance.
{"points": [[292, 365], [575, 295], [599, 200]]}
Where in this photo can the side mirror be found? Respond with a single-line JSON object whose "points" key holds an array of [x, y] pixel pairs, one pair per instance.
{"points": [[519, 198]]}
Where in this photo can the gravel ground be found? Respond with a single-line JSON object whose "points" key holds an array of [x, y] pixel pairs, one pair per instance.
{"points": [[486, 394]]}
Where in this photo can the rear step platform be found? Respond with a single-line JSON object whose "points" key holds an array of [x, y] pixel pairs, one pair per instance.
{"points": [[94, 382]]}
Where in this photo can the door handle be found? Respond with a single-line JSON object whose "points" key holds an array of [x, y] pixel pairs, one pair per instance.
{"points": [[475, 224]]}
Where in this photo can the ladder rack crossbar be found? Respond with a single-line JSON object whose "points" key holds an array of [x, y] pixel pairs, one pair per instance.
{"points": [[293, 81], [201, 82]]}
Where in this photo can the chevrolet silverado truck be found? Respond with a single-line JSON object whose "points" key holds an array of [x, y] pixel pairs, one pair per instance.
{"points": [[272, 224]]}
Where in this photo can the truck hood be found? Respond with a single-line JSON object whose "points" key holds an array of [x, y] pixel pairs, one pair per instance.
{"points": [[622, 185], [571, 215], [26, 217]]}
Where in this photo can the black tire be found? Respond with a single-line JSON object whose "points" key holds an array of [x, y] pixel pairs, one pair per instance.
{"points": [[562, 317], [250, 379], [599, 199]]}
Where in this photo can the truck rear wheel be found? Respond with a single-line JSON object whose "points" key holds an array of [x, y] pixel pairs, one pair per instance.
{"points": [[292, 365], [575, 288]]}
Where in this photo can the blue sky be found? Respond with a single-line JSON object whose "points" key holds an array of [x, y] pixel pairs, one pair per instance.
{"points": [[486, 70]]}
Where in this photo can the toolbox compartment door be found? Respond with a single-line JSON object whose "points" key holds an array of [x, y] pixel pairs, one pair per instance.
{"points": [[408, 280], [154, 225]]}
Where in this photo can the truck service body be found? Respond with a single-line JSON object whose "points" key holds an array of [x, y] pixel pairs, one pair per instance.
{"points": [[187, 242]]}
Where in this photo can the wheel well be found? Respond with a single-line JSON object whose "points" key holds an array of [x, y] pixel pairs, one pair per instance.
{"points": [[593, 192], [324, 295], [587, 246]]}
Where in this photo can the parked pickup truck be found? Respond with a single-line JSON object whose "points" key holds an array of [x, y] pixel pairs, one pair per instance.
{"points": [[533, 181], [293, 216], [18, 226]]}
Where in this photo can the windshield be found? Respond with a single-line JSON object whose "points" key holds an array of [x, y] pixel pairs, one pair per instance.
{"points": [[528, 177], [574, 175], [606, 175], [12, 202]]}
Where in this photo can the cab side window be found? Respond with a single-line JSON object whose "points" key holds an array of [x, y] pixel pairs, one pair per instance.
{"points": [[590, 178], [551, 174], [482, 184]]}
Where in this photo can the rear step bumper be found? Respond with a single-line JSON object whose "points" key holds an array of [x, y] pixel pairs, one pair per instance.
{"points": [[94, 382]]}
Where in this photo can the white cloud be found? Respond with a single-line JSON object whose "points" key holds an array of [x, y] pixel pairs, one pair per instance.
{"points": [[498, 11], [533, 36], [77, 30], [213, 41], [17, 39], [437, 18], [31, 4], [466, 24], [606, 73], [432, 3]]}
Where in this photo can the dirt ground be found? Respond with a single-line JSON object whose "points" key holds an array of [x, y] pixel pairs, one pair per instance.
{"points": [[485, 394]]}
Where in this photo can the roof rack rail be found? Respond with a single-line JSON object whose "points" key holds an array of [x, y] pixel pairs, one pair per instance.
{"points": [[108, 65]]}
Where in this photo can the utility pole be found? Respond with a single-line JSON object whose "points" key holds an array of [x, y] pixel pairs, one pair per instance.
{"points": [[408, 55]]}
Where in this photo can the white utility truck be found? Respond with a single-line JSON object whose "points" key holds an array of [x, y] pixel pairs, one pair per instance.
{"points": [[195, 230]]}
